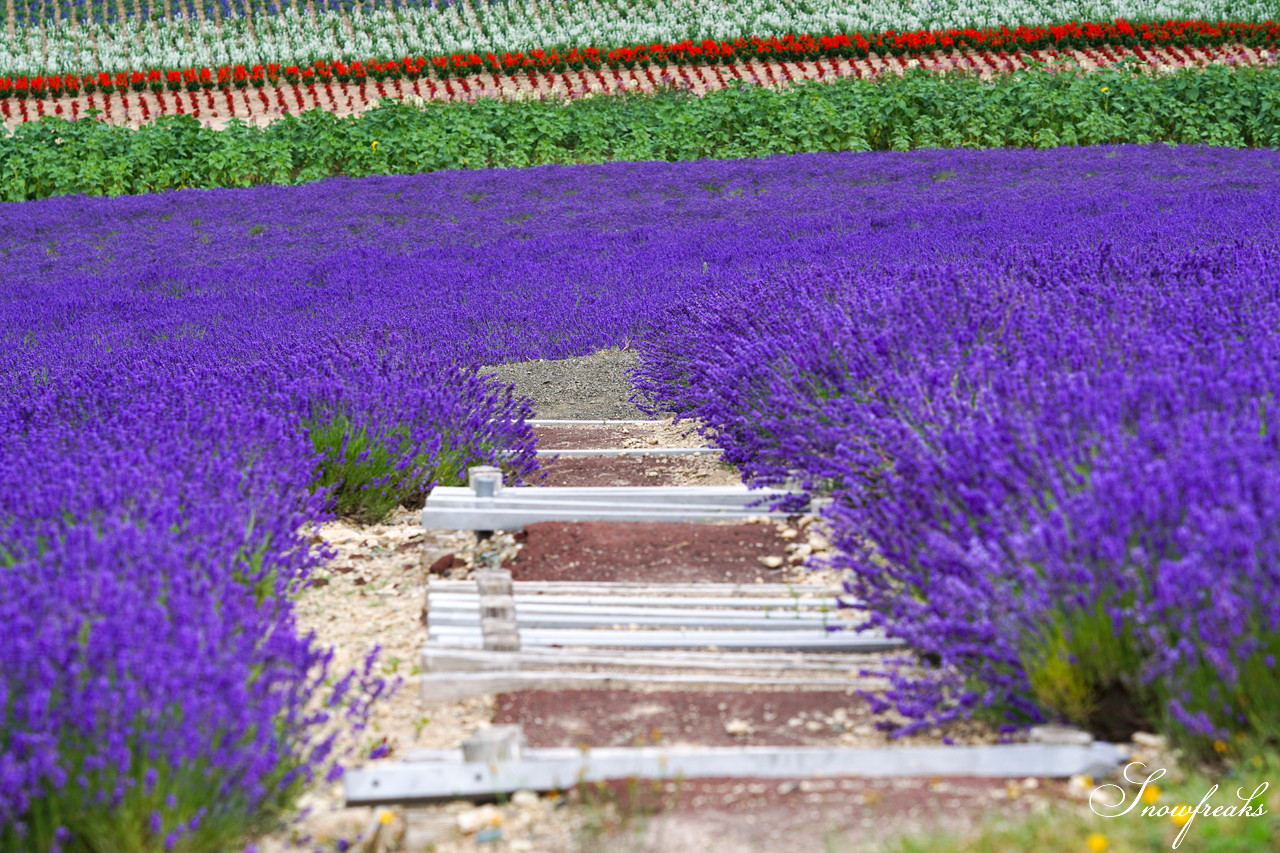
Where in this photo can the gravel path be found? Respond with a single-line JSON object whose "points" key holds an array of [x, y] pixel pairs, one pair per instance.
{"points": [[372, 593], [588, 386]]}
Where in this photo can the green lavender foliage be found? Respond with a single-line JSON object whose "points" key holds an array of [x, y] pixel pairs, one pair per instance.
{"points": [[367, 476]]}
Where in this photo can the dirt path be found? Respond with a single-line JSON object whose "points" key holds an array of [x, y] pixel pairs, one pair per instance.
{"points": [[372, 593], [593, 386]]}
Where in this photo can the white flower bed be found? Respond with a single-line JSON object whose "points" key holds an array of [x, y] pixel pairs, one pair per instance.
{"points": [[295, 36]]}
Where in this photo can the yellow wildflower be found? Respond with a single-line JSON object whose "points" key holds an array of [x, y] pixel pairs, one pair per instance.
{"points": [[374, 146], [1106, 88], [1097, 843], [1181, 814], [1150, 794], [1219, 746]]}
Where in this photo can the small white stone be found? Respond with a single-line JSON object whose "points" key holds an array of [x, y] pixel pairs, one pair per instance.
{"points": [[1080, 786], [1068, 735], [738, 728], [474, 820], [524, 799], [1149, 741], [771, 562]]}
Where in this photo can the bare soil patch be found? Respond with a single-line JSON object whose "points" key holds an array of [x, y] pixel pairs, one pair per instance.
{"points": [[629, 470], [801, 816], [661, 552], [588, 386], [638, 471], [659, 433], [574, 718], [587, 436]]}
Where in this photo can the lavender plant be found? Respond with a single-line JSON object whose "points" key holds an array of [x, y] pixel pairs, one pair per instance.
{"points": [[1053, 475], [156, 693], [154, 562], [1053, 467]]}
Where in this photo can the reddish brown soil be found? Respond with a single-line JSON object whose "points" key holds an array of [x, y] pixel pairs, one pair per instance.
{"points": [[636, 471], [573, 718], [563, 437], [623, 470], [790, 816], [661, 552]]}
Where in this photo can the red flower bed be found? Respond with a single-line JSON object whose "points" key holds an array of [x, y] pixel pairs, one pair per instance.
{"points": [[789, 47]]}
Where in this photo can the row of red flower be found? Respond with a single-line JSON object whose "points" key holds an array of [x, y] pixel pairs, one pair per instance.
{"points": [[332, 94], [851, 45]]}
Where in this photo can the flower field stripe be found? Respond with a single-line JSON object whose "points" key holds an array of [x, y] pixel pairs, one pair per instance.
{"points": [[217, 105], [297, 35], [175, 70], [1031, 108]]}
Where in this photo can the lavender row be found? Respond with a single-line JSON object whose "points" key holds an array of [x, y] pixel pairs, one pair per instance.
{"points": [[1056, 468], [153, 530], [478, 267], [167, 439]]}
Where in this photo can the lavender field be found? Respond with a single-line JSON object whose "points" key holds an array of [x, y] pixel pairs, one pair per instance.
{"points": [[1057, 469], [1042, 384], [507, 264]]}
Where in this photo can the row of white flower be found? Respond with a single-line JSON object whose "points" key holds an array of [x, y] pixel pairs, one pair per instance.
{"points": [[295, 36]]}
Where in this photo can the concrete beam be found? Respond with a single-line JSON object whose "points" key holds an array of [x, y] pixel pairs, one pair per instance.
{"points": [[545, 770]]}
